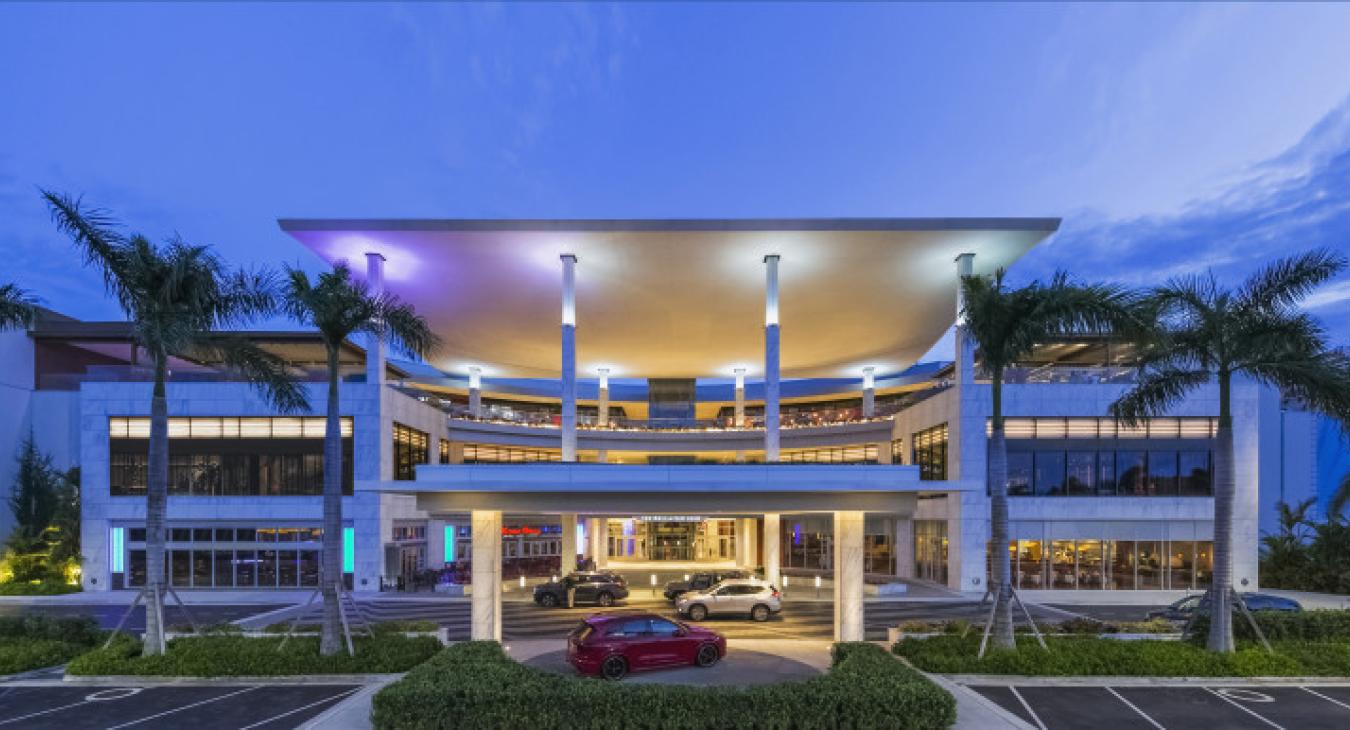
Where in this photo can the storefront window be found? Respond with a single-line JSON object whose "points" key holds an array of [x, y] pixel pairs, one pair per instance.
{"points": [[1162, 473], [1131, 474], [410, 449], [1082, 473], [1122, 564], [1194, 472], [1049, 473], [1181, 565], [1019, 473], [1064, 570], [1032, 565], [1090, 564], [1150, 566]]}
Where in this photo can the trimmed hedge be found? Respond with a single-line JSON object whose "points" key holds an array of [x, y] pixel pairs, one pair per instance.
{"points": [[1319, 625], [476, 685], [34, 642], [237, 656], [1080, 656]]}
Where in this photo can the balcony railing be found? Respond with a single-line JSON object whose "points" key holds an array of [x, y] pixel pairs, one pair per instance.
{"points": [[543, 419], [138, 374], [1062, 374]]}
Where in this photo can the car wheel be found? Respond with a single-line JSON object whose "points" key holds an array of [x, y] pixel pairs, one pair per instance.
{"points": [[707, 656], [548, 600], [697, 612], [614, 668], [760, 613], [605, 599]]}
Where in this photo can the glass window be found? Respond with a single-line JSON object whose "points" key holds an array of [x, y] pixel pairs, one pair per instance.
{"points": [[1131, 474], [1091, 573], [201, 568], [1181, 565], [1204, 564], [222, 566], [245, 568], [246, 534], [1082, 472], [136, 563], [288, 568], [309, 567], [267, 569], [410, 449], [180, 534], [1019, 473], [1150, 566], [1031, 566], [180, 567], [1121, 565], [1106, 473], [930, 452], [1194, 473], [1162, 473], [1049, 473], [224, 534], [662, 627], [201, 535], [1063, 566]]}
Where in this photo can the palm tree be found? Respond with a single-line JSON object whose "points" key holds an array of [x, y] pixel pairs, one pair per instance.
{"points": [[17, 307], [1005, 324], [1205, 333], [337, 307], [1340, 499], [177, 297]]}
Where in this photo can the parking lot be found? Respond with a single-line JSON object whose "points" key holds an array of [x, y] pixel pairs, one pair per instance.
{"points": [[243, 707], [1126, 707]]}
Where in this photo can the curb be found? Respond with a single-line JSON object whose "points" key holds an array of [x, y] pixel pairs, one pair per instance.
{"points": [[121, 680], [1114, 681]]}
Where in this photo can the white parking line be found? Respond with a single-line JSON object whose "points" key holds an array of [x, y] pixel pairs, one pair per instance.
{"points": [[44, 712], [1247, 710], [302, 708], [1027, 707], [185, 707], [1132, 706], [1332, 700]]}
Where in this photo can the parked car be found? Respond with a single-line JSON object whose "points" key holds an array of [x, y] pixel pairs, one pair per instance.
{"points": [[736, 597], [601, 589], [701, 582], [1183, 609], [612, 645]]}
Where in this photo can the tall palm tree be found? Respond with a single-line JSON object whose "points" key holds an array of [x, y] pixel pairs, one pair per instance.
{"points": [[17, 307], [1005, 324], [337, 307], [177, 297], [1340, 499], [1205, 333]]}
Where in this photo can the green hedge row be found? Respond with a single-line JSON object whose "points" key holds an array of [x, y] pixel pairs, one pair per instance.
{"points": [[1080, 656], [475, 685], [237, 656], [1278, 626], [34, 642]]}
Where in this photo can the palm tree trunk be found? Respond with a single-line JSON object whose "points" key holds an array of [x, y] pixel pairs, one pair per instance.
{"points": [[330, 641], [156, 505], [1002, 633], [1221, 587]]}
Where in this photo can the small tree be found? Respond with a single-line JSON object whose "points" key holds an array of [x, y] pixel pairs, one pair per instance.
{"points": [[337, 307], [17, 307], [1208, 334], [33, 496]]}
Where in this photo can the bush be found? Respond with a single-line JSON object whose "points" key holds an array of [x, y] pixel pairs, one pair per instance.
{"points": [[382, 627], [37, 588], [474, 684], [34, 642], [237, 656], [1074, 656], [1279, 626]]}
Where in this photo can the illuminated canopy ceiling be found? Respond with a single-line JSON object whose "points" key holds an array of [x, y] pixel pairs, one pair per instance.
{"points": [[678, 298]]}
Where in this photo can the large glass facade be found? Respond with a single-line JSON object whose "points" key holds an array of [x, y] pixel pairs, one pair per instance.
{"points": [[232, 557], [410, 449], [930, 550], [808, 543], [1097, 564], [930, 453], [1080, 472]]}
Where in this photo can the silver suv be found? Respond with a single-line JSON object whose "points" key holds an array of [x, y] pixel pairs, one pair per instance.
{"points": [[738, 597]]}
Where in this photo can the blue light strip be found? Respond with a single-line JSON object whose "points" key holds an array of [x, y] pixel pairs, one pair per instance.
{"points": [[118, 549], [449, 543], [348, 550]]}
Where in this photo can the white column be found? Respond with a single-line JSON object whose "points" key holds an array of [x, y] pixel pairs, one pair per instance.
{"points": [[597, 534], [771, 358], [904, 547], [965, 348], [751, 542], [436, 544], [569, 359], [738, 541], [569, 542], [376, 350], [772, 550], [869, 394], [602, 404], [476, 392], [740, 398], [486, 608], [848, 576]]}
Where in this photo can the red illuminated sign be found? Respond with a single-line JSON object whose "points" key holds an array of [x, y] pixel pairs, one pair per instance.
{"points": [[513, 531]]}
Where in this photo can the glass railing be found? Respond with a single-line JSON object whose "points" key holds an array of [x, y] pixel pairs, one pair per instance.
{"points": [[510, 416], [1061, 374], [138, 374]]}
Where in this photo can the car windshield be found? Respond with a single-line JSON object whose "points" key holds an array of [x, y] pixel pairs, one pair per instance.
{"points": [[1187, 604]]}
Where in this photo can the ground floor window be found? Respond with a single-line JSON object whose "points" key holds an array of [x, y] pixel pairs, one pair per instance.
{"points": [[1095, 564], [231, 557], [808, 542], [930, 550]]}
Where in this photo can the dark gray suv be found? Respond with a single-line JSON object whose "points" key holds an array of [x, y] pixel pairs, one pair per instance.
{"points": [[601, 589]]}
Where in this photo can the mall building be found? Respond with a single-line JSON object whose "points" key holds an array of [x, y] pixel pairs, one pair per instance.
{"points": [[640, 392]]}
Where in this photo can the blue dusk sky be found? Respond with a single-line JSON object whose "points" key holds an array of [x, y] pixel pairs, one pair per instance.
{"points": [[1170, 138]]}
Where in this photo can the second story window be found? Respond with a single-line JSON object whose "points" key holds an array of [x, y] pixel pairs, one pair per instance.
{"points": [[410, 449], [930, 453], [445, 451]]}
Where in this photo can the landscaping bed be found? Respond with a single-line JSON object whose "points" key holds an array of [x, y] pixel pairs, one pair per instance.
{"points": [[34, 642], [227, 655], [475, 684]]}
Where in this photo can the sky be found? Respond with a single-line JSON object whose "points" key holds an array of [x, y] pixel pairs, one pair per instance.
{"points": [[1170, 138]]}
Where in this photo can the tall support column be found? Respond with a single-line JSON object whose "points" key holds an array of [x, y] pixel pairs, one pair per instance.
{"points": [[740, 398], [486, 604], [848, 576], [751, 542], [869, 396], [602, 402], [569, 542], [569, 358], [904, 547], [376, 350], [476, 392], [738, 541], [597, 534], [773, 558], [771, 358], [965, 348]]}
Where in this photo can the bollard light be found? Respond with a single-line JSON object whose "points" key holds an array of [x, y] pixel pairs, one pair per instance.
{"points": [[785, 581], [686, 576], [817, 581], [653, 579], [553, 578], [522, 581]]}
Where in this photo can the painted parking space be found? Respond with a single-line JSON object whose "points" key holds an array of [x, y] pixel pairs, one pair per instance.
{"points": [[1241, 707], [204, 707]]}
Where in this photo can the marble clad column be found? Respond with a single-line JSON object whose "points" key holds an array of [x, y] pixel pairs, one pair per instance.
{"points": [[848, 576], [486, 603]]}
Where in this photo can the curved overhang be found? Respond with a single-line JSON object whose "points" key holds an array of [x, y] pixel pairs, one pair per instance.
{"points": [[678, 298]]}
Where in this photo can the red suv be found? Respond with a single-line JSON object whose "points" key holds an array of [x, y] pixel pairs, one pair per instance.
{"points": [[613, 644]]}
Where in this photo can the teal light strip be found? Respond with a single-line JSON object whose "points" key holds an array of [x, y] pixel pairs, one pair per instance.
{"points": [[449, 543], [118, 549], [348, 550]]}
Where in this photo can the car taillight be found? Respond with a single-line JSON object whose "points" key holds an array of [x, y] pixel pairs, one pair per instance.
{"points": [[775, 593]]}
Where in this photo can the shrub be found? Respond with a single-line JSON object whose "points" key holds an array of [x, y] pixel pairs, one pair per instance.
{"points": [[50, 587], [34, 642], [474, 684], [1072, 656], [381, 627], [76, 629], [1279, 626], [236, 656]]}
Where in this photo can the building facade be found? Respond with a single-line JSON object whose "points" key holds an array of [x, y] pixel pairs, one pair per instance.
{"points": [[642, 392]]}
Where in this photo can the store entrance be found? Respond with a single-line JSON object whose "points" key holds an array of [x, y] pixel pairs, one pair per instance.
{"points": [[671, 540]]}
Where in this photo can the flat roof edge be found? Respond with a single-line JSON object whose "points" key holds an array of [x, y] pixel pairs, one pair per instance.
{"points": [[291, 225]]}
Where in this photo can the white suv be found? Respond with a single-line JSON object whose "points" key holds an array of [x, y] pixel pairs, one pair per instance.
{"points": [[738, 597]]}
